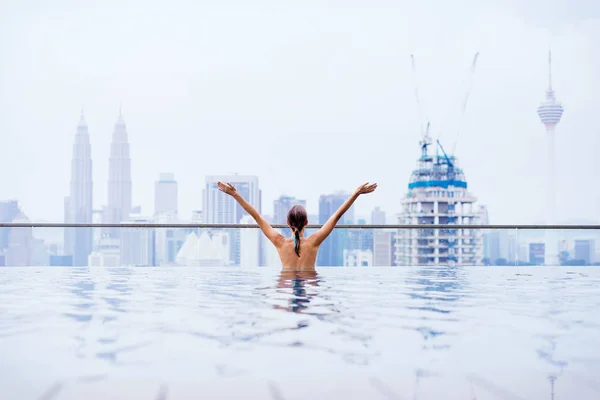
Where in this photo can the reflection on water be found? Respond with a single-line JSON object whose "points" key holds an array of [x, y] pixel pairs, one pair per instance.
{"points": [[437, 293], [389, 333], [297, 283]]}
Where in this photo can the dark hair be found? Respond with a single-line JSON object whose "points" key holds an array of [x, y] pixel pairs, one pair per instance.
{"points": [[297, 220]]}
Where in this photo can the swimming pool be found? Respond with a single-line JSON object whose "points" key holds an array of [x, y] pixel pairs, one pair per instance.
{"points": [[353, 333]]}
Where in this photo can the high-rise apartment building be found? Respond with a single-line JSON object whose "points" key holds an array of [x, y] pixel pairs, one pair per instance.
{"points": [[165, 194], [378, 216], [138, 245], [537, 253], [331, 252], [382, 248], [168, 240], [584, 250], [9, 210], [437, 194], [220, 208], [282, 205], [20, 251], [250, 243]]}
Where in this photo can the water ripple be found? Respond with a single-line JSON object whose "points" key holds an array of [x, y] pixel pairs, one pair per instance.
{"points": [[396, 331]]}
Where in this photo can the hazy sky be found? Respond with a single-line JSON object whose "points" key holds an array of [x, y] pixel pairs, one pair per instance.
{"points": [[311, 96]]}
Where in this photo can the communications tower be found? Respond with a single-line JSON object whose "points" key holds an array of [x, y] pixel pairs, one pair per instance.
{"points": [[550, 112]]}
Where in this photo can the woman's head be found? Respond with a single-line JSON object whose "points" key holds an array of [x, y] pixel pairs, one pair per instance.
{"points": [[297, 220]]}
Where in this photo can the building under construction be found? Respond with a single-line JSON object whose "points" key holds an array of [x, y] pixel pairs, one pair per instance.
{"points": [[437, 194]]}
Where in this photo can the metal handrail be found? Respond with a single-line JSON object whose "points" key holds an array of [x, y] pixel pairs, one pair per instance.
{"points": [[253, 226]]}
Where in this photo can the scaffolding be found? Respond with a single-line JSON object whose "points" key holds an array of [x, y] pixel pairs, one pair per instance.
{"points": [[438, 195]]}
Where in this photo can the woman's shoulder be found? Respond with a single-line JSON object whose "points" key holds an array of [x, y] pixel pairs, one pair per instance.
{"points": [[304, 240], [309, 240]]}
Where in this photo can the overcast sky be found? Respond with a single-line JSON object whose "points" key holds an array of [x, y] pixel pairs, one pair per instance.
{"points": [[311, 96]]}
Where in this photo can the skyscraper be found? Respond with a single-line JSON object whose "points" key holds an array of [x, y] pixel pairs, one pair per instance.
{"points": [[360, 239], [331, 252], [584, 250], [537, 253], [119, 178], [9, 210], [497, 247], [550, 112], [312, 220], [220, 208], [382, 248], [381, 240], [20, 244], [168, 240], [138, 245], [377, 216], [106, 254], [249, 244], [78, 205], [282, 205], [165, 195], [437, 194]]}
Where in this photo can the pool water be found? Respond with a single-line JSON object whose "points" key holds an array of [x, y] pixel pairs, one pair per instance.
{"points": [[348, 333]]}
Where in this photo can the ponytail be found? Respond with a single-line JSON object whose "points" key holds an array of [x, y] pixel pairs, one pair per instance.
{"points": [[297, 220], [297, 241]]}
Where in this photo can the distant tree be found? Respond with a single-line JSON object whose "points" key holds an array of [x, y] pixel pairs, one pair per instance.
{"points": [[486, 261], [501, 261], [525, 264]]}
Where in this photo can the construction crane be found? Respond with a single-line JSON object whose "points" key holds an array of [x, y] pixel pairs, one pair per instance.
{"points": [[465, 101], [423, 120], [425, 141], [448, 162], [422, 115], [420, 108]]}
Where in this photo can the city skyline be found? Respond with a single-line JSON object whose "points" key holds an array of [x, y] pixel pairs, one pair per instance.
{"points": [[121, 185], [278, 112], [290, 116], [119, 163]]}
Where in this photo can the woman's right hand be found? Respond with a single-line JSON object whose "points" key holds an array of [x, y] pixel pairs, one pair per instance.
{"points": [[365, 188], [227, 188]]}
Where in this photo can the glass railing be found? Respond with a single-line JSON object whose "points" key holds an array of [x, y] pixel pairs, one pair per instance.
{"points": [[204, 245]]}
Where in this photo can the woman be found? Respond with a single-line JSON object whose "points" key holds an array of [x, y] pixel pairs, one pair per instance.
{"points": [[297, 253]]}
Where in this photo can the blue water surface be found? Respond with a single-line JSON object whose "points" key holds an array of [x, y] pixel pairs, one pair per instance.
{"points": [[348, 333]]}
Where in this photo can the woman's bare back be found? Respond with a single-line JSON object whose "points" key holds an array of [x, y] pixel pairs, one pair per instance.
{"points": [[289, 258]]}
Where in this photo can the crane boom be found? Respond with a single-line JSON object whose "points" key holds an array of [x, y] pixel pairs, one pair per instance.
{"points": [[465, 101], [448, 162], [445, 155], [420, 110]]}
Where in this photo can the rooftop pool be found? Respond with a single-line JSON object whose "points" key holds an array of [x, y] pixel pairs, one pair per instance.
{"points": [[470, 333]]}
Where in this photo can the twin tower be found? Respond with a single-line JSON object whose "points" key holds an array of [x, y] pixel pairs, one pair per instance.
{"points": [[79, 204]]}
